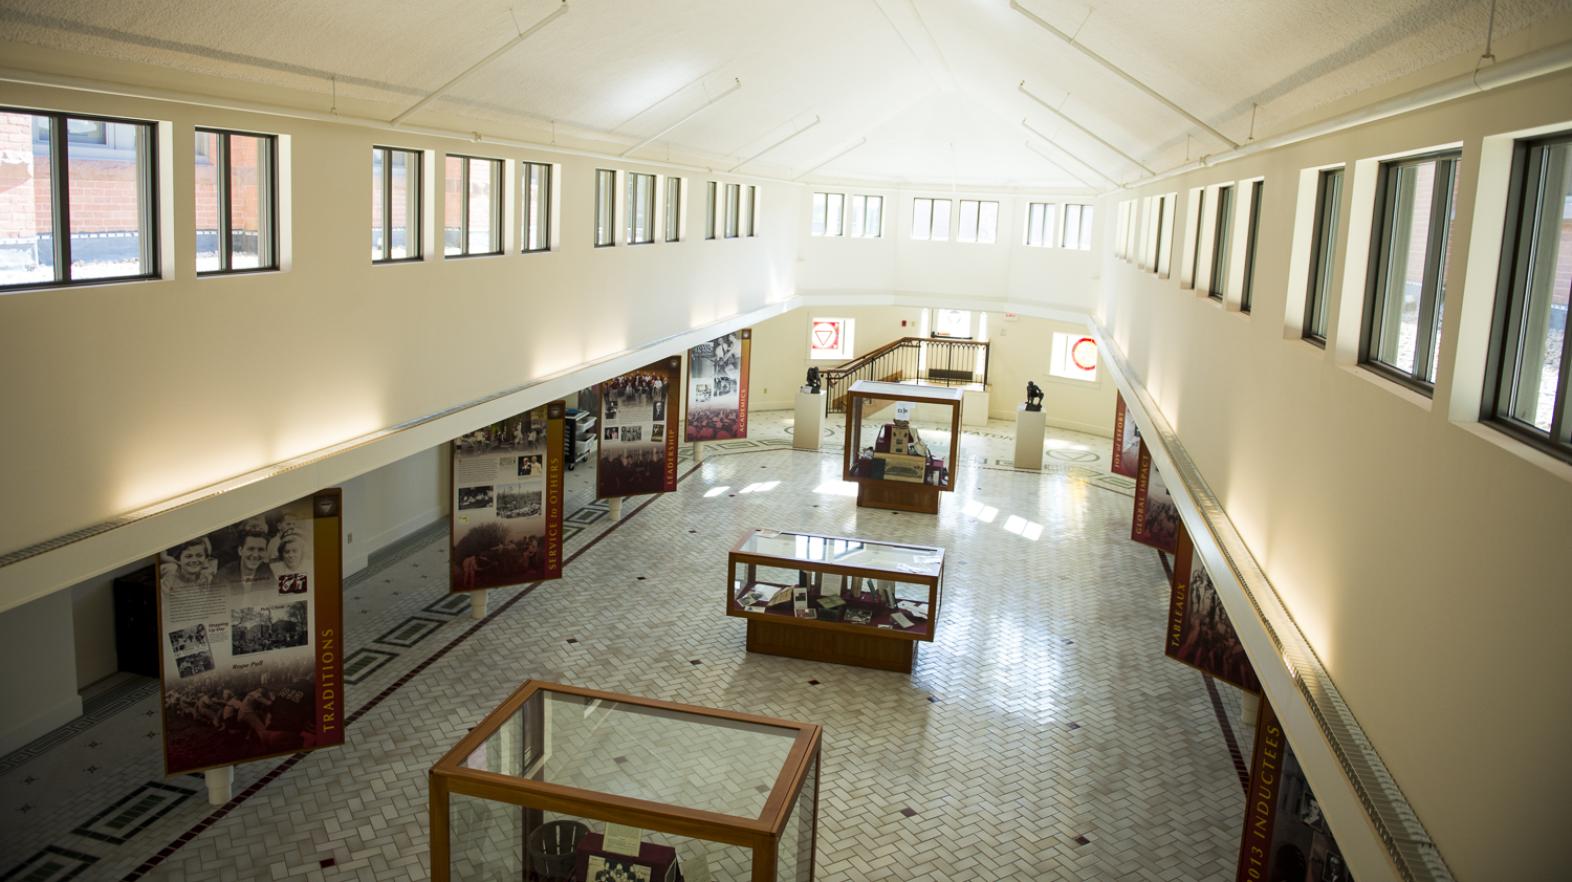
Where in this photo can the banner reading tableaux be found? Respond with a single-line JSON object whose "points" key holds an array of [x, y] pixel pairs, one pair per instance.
{"points": [[1199, 631], [718, 388], [507, 502], [250, 618], [1286, 836], [1127, 440], [1156, 521], [638, 425]]}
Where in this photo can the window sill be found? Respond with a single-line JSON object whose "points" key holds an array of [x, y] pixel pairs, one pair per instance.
{"points": [[397, 261], [78, 283], [468, 256], [1382, 381], [1510, 443], [224, 274]]}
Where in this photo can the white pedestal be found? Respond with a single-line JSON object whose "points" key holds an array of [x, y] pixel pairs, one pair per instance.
{"points": [[698, 451], [1249, 709], [809, 428], [974, 407], [614, 508], [477, 604], [1028, 438], [220, 784]]}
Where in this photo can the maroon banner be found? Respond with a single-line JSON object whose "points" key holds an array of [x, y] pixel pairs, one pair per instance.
{"points": [[638, 425], [251, 624], [1156, 521], [1126, 440], [1286, 837], [718, 388], [506, 523], [1200, 633]]}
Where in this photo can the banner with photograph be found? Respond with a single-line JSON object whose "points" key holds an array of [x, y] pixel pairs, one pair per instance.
{"points": [[1285, 834], [507, 502], [1127, 440], [718, 388], [638, 426], [250, 619], [1199, 631], [1156, 517]]}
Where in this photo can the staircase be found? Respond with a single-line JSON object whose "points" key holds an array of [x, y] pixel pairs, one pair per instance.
{"points": [[936, 361]]}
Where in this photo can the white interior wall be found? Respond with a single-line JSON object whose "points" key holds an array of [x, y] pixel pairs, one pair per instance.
{"points": [[1422, 555], [385, 505], [38, 687]]}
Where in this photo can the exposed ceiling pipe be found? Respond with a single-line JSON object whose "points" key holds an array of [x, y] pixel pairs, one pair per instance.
{"points": [[1120, 72], [1030, 128], [498, 53], [1550, 60], [1088, 132], [773, 146], [860, 142], [1060, 166], [735, 85]]}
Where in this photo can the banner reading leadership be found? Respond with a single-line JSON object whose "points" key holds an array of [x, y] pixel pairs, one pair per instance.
{"points": [[638, 426]]}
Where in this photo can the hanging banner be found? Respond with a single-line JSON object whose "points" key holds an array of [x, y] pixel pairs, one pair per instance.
{"points": [[1156, 517], [250, 620], [1126, 440], [507, 502], [638, 426], [1199, 631], [1285, 835], [718, 388]]}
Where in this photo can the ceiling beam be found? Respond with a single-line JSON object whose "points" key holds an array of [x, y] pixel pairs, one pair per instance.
{"points": [[497, 53], [1088, 132], [1121, 73], [736, 84]]}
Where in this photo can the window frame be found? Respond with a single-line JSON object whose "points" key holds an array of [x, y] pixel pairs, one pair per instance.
{"points": [[976, 231], [602, 188], [671, 208], [1502, 366], [732, 217], [1083, 229], [632, 184], [1427, 335], [753, 211], [416, 230], [1252, 231], [60, 207], [1045, 239], [1323, 250], [711, 205], [932, 202], [497, 197], [221, 165], [861, 232], [1222, 244], [525, 227]]}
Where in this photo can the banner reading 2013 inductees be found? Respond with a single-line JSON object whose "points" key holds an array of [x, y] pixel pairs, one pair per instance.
{"points": [[718, 388], [1156, 521], [507, 502], [1200, 633], [1286, 836], [250, 624], [1127, 440], [638, 426]]}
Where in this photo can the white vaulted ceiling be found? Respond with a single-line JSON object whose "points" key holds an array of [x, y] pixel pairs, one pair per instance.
{"points": [[921, 91]]}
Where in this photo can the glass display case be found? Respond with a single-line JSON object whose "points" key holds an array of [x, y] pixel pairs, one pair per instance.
{"points": [[894, 465], [562, 783], [827, 598]]}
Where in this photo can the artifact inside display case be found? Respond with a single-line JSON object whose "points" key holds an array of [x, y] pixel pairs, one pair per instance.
{"points": [[848, 601], [894, 465], [575, 785]]}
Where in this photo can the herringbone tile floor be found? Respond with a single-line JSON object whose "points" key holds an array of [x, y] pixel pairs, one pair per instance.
{"points": [[1043, 735]]}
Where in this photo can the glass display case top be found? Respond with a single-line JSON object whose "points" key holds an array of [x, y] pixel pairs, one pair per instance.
{"points": [[661, 755], [809, 548], [911, 391]]}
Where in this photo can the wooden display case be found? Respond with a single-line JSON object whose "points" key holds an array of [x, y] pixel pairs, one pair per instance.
{"points": [[841, 600], [898, 469], [561, 784]]}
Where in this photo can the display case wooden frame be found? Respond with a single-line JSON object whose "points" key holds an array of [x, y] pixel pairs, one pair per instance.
{"points": [[863, 645], [913, 496], [763, 835]]}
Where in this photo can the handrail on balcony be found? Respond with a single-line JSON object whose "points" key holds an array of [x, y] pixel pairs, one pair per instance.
{"points": [[939, 361]]}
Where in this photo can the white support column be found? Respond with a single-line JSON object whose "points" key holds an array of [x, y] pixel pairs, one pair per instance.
{"points": [[477, 603], [698, 451], [614, 507], [220, 784], [1249, 709]]}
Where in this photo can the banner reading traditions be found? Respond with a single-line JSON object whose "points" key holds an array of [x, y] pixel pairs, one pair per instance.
{"points": [[638, 425], [718, 388], [250, 624], [507, 502]]}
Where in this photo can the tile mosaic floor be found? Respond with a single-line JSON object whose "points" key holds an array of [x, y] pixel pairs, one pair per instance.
{"points": [[1043, 735]]}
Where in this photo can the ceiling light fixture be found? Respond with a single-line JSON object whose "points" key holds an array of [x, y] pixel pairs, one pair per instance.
{"points": [[497, 53], [773, 146], [1088, 132], [1118, 71], [736, 84]]}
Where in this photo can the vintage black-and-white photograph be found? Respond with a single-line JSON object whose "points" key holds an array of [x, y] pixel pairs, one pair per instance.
{"points": [[613, 433], [716, 409], [266, 628], [511, 435], [470, 498], [186, 640], [633, 433], [532, 466], [658, 432], [519, 501]]}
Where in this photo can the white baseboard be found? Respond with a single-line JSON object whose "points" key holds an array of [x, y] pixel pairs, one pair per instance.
{"points": [[41, 724], [360, 557]]}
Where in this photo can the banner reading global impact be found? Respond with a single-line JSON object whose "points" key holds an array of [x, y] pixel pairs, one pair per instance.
{"points": [[1199, 631], [1156, 520], [250, 627], [507, 502], [638, 426], [1286, 836], [718, 388], [1127, 440]]}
